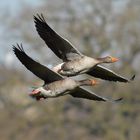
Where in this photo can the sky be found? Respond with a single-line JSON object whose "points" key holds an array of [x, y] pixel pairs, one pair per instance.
{"points": [[15, 5], [12, 7]]}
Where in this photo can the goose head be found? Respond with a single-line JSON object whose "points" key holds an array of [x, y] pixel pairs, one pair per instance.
{"points": [[108, 59], [38, 93], [88, 82], [37, 90]]}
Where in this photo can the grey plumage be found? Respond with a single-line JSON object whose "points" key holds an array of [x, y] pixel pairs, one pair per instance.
{"points": [[49, 77], [67, 52]]}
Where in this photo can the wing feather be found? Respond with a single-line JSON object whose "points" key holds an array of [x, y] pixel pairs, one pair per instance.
{"points": [[81, 92], [107, 74], [36, 68], [60, 46]]}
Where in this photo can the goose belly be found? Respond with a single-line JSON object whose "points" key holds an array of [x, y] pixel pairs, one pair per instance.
{"points": [[79, 66], [53, 94], [60, 88]]}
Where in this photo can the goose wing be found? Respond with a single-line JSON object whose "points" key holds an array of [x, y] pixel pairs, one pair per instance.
{"points": [[60, 46], [107, 74], [81, 92], [36, 68]]}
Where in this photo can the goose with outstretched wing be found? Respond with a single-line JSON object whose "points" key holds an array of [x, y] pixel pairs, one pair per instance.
{"points": [[74, 62], [54, 84]]}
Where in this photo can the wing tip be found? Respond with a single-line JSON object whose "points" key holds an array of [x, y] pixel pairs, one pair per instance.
{"points": [[119, 99], [18, 47], [39, 18], [132, 78], [113, 101]]}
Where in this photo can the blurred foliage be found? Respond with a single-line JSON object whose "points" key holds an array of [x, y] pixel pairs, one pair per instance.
{"points": [[96, 29]]}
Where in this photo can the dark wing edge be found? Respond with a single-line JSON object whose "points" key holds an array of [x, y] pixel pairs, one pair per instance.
{"points": [[81, 92], [60, 46], [36, 68], [107, 74]]}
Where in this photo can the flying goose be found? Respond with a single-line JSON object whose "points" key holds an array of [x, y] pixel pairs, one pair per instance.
{"points": [[54, 84], [74, 62]]}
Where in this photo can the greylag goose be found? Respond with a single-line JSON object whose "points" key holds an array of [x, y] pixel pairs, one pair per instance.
{"points": [[74, 62], [54, 84]]}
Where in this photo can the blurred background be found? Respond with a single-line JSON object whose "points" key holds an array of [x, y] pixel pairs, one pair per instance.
{"points": [[96, 28]]}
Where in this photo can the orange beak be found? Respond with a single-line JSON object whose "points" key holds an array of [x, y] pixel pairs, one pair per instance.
{"points": [[34, 92], [114, 59], [94, 82]]}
